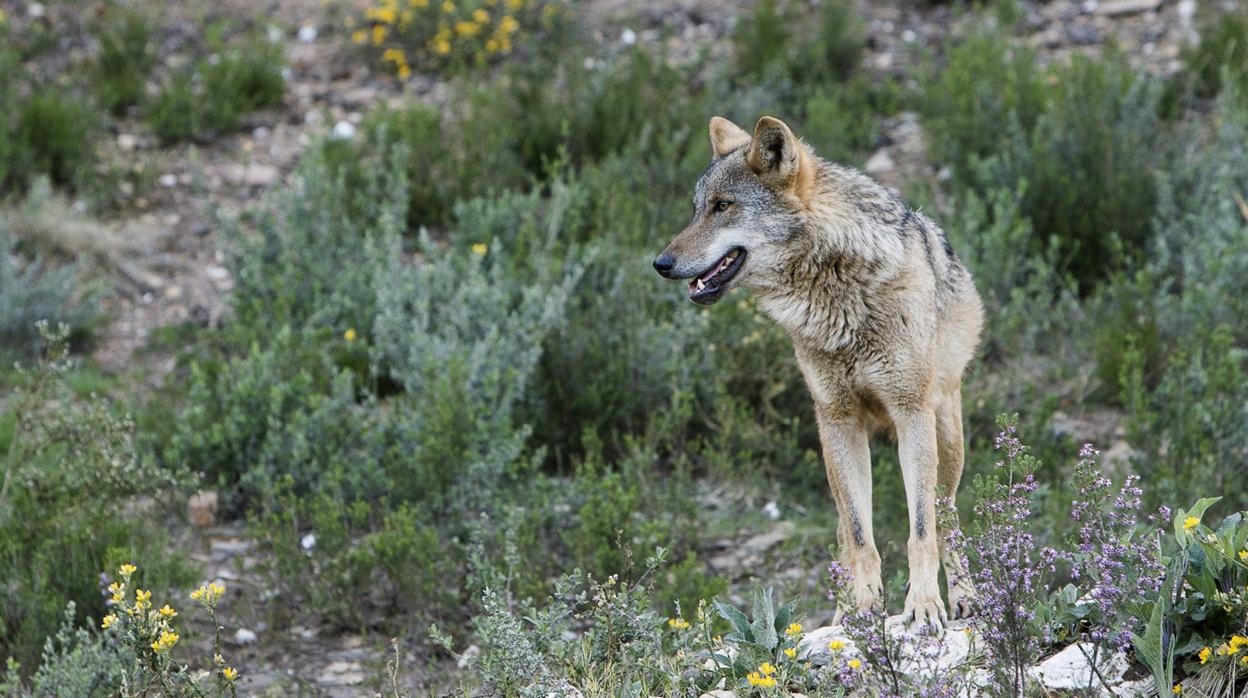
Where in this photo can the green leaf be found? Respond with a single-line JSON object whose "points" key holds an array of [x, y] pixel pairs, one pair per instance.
{"points": [[1197, 510], [764, 625], [740, 624]]}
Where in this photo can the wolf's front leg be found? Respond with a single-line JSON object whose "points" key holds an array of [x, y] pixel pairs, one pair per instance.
{"points": [[916, 444], [847, 459]]}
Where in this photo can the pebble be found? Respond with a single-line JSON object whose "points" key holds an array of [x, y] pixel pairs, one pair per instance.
{"points": [[168, 180], [307, 33], [343, 130], [244, 637]]}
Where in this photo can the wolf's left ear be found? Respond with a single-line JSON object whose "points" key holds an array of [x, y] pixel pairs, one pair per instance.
{"points": [[774, 154], [726, 137]]}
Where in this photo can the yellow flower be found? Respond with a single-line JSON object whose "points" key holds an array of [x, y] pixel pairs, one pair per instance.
{"points": [[142, 599], [208, 593], [766, 669], [674, 623], [491, 46], [418, 4], [793, 629], [757, 679], [218, 660], [441, 47], [790, 652], [379, 34], [359, 36], [395, 55], [405, 72], [349, 335], [108, 621], [1204, 655], [836, 645], [1190, 522], [515, 4], [166, 641], [508, 24], [1178, 688], [382, 14], [467, 29], [481, 248], [855, 664], [127, 570], [448, 7], [230, 674], [480, 16], [1243, 555], [1222, 650], [167, 612]]}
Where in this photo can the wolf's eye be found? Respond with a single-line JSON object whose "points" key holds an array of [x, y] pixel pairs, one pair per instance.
{"points": [[722, 205]]}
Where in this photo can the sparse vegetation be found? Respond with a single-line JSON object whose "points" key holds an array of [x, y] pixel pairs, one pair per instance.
{"points": [[448, 390]]}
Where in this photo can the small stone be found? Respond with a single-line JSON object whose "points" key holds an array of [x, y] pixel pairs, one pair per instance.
{"points": [[36, 10], [217, 273], [168, 180], [343, 130], [308, 542], [466, 658], [341, 673], [127, 141], [307, 33], [879, 163], [628, 37], [1126, 7], [201, 507], [229, 547], [244, 637], [909, 36], [772, 511]]}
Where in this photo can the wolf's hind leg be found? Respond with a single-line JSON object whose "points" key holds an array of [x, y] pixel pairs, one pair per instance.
{"points": [[847, 460], [949, 448]]}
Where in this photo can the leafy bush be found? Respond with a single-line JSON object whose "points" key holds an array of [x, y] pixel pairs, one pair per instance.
{"points": [[53, 539], [1220, 55], [127, 55], [809, 47], [53, 135], [213, 94], [29, 292]]}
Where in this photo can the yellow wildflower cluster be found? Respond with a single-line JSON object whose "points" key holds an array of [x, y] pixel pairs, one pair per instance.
{"points": [[432, 34], [793, 630], [678, 623], [480, 248], [763, 677], [165, 642], [1190, 522], [208, 594]]}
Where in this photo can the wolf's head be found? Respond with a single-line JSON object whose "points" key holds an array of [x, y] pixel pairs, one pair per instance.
{"points": [[746, 206]]}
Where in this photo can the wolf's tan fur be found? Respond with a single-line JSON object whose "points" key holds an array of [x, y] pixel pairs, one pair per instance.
{"points": [[883, 318]]}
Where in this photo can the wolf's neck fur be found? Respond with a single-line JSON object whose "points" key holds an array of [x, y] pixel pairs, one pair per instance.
{"points": [[847, 244]]}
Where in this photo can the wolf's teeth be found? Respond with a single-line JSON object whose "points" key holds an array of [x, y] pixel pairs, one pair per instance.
{"points": [[701, 285]]}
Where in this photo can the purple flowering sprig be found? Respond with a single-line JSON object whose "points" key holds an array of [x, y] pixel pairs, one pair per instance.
{"points": [[1005, 562]]}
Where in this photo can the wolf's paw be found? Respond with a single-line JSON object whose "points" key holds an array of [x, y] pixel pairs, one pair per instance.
{"points": [[962, 601], [924, 611]]}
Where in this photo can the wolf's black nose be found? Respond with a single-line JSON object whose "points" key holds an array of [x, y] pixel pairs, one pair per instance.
{"points": [[664, 263]]}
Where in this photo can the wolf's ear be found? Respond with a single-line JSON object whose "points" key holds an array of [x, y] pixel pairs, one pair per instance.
{"points": [[726, 137], [774, 154]]}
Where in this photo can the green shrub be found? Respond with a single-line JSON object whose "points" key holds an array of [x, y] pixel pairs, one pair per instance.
{"points": [[127, 55], [969, 105], [1221, 54], [54, 136], [30, 292], [54, 540], [809, 47], [213, 94]]}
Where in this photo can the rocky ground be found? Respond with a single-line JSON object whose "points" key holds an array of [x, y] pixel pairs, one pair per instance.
{"points": [[172, 273]]}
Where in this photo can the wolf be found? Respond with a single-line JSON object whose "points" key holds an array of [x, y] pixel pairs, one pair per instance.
{"points": [[883, 319]]}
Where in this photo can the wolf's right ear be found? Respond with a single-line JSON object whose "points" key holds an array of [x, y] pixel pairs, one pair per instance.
{"points": [[775, 153], [726, 137]]}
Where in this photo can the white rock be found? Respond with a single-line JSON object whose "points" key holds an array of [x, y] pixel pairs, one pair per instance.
{"points": [[36, 10], [307, 33], [275, 34], [908, 36], [1124, 7], [879, 163], [127, 141], [814, 645], [244, 637], [469, 655], [628, 37], [308, 542], [1071, 669], [343, 130], [168, 180], [772, 511]]}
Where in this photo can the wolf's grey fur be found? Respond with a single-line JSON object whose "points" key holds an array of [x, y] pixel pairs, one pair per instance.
{"points": [[883, 318]]}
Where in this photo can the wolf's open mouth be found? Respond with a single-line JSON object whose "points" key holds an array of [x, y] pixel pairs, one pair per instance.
{"points": [[708, 286]]}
